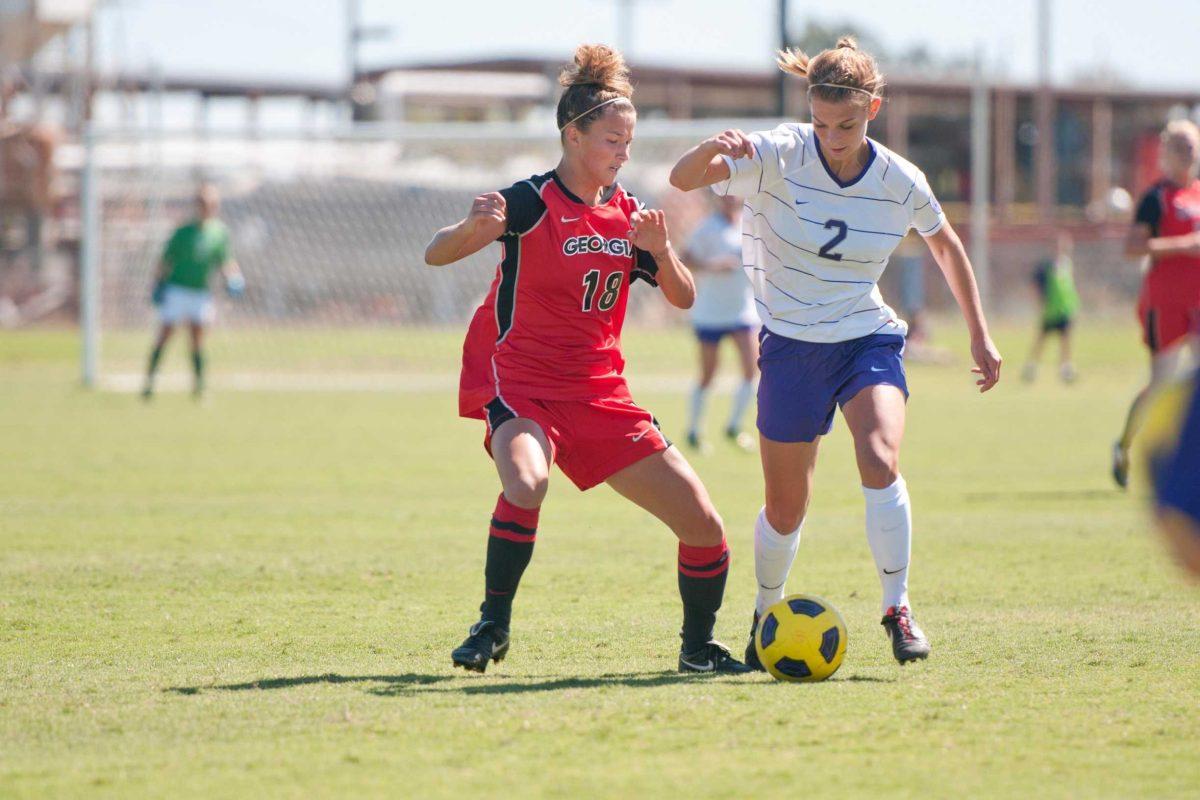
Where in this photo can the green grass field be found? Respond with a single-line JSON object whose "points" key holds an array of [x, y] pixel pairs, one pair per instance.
{"points": [[258, 596]]}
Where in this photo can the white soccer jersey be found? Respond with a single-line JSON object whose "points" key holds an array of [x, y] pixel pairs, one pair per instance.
{"points": [[723, 298], [814, 247]]}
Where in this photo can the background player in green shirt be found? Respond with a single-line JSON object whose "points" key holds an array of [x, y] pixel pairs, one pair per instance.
{"points": [[181, 288], [1060, 303]]}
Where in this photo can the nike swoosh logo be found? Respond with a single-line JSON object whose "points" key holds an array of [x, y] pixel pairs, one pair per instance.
{"points": [[772, 588], [894, 571], [707, 666], [571, 219], [639, 436], [801, 202]]}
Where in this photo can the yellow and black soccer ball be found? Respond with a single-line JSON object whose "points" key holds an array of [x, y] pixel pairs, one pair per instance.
{"points": [[801, 638]]}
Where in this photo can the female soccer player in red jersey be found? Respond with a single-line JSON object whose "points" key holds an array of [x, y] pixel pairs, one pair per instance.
{"points": [[825, 207], [1166, 229], [542, 361]]}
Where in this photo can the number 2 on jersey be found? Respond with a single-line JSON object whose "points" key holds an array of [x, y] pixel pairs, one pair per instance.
{"points": [[827, 250], [608, 298]]}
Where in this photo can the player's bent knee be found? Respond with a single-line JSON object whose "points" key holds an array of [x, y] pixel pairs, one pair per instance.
{"points": [[879, 463], [786, 520], [527, 491]]}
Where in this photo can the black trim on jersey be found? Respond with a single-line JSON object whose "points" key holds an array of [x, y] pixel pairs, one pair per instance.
{"points": [[498, 413], [645, 268], [1152, 330], [523, 205], [506, 292], [605, 195], [526, 199], [1150, 210]]}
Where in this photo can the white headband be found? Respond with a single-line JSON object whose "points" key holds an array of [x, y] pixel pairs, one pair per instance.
{"points": [[840, 86], [590, 110]]}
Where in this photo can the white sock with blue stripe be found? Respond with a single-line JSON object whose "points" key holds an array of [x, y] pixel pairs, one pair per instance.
{"points": [[889, 532]]}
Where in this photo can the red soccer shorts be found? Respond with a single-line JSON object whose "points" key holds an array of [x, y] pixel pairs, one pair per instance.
{"points": [[1164, 325], [590, 440]]}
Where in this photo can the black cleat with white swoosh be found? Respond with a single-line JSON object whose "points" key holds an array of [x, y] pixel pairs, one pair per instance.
{"points": [[487, 642], [712, 657]]}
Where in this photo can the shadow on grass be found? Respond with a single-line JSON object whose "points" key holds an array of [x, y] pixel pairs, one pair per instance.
{"points": [[413, 683], [524, 685], [862, 679], [408, 679]]}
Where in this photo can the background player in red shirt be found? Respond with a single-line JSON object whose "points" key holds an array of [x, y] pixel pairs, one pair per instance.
{"points": [[542, 362], [1167, 230]]}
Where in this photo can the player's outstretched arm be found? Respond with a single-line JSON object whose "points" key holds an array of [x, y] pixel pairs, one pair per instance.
{"points": [[482, 226], [1141, 242], [703, 165], [649, 233], [952, 259]]}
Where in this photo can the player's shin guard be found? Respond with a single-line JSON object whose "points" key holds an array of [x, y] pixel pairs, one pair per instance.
{"points": [[702, 574], [510, 546], [889, 532], [774, 553]]}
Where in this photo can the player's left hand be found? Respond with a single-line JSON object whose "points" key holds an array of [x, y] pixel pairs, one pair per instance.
{"points": [[987, 360], [649, 230]]}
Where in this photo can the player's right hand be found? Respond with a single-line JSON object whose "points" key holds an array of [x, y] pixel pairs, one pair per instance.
{"points": [[488, 208], [732, 143]]}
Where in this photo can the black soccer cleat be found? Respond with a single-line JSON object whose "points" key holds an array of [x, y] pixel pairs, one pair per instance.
{"points": [[752, 660], [488, 641], [712, 657], [908, 640], [1120, 465]]}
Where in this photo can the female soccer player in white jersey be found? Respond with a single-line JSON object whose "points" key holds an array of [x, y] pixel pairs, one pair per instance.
{"points": [[724, 307], [825, 207]]}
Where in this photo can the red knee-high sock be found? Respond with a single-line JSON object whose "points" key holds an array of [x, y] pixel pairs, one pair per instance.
{"points": [[510, 546], [702, 574]]}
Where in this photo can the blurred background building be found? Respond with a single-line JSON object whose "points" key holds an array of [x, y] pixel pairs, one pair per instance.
{"points": [[383, 154]]}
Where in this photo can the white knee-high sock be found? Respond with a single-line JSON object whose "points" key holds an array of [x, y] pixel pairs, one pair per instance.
{"points": [[696, 409], [741, 399], [773, 556], [889, 532]]}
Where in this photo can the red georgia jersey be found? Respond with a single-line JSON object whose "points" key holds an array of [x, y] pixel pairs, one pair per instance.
{"points": [[1171, 210], [550, 327]]}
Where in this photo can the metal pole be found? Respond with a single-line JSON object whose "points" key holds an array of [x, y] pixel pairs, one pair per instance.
{"points": [[89, 261], [1044, 112], [980, 178], [781, 86], [352, 24]]}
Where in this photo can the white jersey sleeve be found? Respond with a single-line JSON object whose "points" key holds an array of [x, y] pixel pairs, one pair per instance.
{"points": [[927, 216], [774, 152]]}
